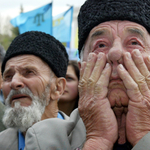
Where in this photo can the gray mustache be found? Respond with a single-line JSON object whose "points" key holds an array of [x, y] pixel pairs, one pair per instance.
{"points": [[13, 92]]}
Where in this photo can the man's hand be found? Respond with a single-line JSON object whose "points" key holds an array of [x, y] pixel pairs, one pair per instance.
{"points": [[136, 78], [94, 106]]}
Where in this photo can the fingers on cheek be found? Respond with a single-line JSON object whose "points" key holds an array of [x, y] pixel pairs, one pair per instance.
{"points": [[85, 72], [125, 76], [101, 87], [96, 73], [139, 62], [91, 71], [83, 65], [129, 83], [147, 62], [147, 77], [89, 66], [90, 86], [82, 87], [99, 66], [139, 74]]}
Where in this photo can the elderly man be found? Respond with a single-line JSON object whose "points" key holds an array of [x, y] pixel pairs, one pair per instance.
{"points": [[33, 73], [114, 88]]}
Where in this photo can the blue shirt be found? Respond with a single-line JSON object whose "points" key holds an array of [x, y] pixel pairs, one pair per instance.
{"points": [[21, 143], [1, 97]]}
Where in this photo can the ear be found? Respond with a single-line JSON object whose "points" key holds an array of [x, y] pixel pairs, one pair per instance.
{"points": [[58, 89]]}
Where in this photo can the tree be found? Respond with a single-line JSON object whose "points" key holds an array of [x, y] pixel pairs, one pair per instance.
{"points": [[9, 32]]}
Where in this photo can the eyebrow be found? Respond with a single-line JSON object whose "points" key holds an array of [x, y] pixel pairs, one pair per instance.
{"points": [[136, 31], [99, 33], [24, 68], [7, 71]]}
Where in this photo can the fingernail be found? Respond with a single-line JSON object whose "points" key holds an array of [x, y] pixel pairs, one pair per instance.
{"points": [[121, 67], [137, 52], [128, 55], [107, 65], [148, 58], [89, 57], [100, 56]]}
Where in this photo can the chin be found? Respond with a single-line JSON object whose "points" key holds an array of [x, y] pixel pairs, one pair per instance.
{"points": [[118, 98]]}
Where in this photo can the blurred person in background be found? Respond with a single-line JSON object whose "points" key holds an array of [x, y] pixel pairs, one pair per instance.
{"points": [[69, 100]]}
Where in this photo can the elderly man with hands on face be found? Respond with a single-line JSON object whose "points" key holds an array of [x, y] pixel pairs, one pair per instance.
{"points": [[33, 72], [114, 88]]}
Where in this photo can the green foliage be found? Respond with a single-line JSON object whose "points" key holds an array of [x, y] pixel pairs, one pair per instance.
{"points": [[6, 38], [15, 31]]}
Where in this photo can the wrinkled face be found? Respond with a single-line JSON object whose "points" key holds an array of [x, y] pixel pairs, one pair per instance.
{"points": [[26, 88], [114, 38], [71, 89], [25, 71]]}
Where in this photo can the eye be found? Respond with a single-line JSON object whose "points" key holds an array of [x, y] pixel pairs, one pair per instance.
{"points": [[69, 78], [134, 42], [28, 72], [102, 45], [8, 77]]}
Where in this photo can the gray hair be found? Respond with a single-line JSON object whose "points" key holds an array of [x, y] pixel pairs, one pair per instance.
{"points": [[2, 53]]}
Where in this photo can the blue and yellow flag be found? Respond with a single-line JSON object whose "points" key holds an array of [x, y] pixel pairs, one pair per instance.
{"points": [[36, 20], [62, 26]]}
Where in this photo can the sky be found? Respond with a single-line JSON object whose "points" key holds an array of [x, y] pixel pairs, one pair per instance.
{"points": [[11, 8]]}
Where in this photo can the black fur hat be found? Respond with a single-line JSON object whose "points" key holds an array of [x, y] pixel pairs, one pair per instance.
{"points": [[94, 12], [42, 45]]}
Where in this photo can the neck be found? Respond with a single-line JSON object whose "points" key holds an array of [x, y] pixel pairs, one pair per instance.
{"points": [[66, 107], [51, 110]]}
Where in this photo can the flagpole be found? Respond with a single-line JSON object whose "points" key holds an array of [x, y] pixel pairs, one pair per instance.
{"points": [[71, 33], [52, 17]]}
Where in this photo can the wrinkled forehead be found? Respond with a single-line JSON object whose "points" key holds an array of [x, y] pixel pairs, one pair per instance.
{"points": [[118, 27], [26, 60]]}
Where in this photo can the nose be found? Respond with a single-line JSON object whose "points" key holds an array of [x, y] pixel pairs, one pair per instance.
{"points": [[17, 82], [115, 53], [115, 57]]}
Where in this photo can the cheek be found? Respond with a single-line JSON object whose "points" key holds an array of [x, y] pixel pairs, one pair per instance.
{"points": [[73, 89], [85, 52], [6, 89], [37, 86]]}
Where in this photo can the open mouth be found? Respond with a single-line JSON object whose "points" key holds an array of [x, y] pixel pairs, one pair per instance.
{"points": [[16, 97]]}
